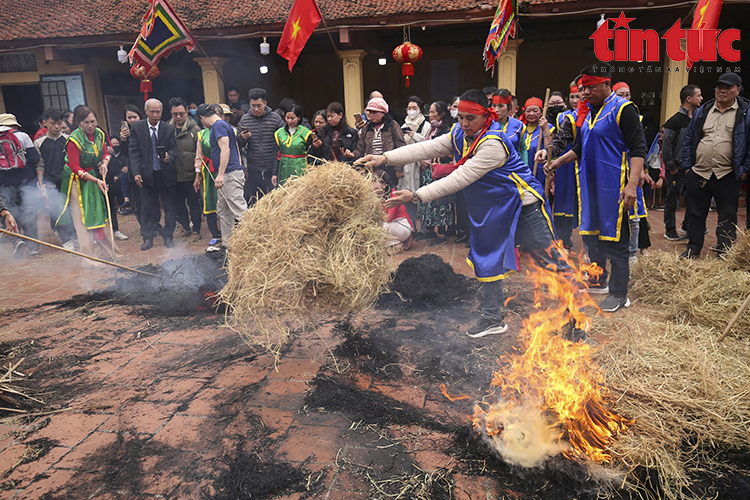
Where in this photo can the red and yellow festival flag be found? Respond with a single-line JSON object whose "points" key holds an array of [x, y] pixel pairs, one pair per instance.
{"points": [[302, 21], [503, 25], [162, 32], [706, 17]]}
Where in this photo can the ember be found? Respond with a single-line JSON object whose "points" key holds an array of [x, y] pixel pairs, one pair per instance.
{"points": [[551, 398]]}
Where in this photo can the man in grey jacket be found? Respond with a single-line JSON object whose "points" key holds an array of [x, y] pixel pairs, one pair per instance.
{"points": [[187, 200], [674, 133], [257, 133]]}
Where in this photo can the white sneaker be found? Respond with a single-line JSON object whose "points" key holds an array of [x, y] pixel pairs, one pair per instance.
{"points": [[69, 245], [119, 236]]}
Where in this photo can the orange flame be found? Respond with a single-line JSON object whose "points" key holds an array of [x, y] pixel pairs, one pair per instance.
{"points": [[552, 392], [453, 398], [507, 301]]}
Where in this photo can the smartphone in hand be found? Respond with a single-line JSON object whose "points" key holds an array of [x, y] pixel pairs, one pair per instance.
{"points": [[161, 151]]}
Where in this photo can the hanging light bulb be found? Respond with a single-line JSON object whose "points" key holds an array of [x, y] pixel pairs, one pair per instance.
{"points": [[263, 70], [601, 21], [122, 56], [265, 47], [382, 61]]}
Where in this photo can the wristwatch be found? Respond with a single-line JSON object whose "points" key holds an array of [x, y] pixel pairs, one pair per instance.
{"points": [[415, 197]]}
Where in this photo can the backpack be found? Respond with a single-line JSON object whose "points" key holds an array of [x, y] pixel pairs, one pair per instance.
{"points": [[12, 154]]}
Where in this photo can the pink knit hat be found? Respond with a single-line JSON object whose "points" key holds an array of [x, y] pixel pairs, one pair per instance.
{"points": [[377, 104]]}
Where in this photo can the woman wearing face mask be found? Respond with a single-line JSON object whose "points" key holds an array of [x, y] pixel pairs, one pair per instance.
{"points": [[293, 140], [454, 108], [555, 106], [438, 214], [415, 128]]}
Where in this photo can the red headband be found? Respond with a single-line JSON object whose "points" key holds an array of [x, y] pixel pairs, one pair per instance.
{"points": [[471, 107], [496, 99], [573, 89], [533, 101], [593, 80], [620, 85]]}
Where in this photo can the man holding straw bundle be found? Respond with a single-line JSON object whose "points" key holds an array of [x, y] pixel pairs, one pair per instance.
{"points": [[504, 200]]}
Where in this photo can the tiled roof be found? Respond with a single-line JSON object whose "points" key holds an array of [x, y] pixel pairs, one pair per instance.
{"points": [[47, 19]]}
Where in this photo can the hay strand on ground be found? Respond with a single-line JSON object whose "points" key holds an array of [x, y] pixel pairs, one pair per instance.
{"points": [[314, 246], [704, 291], [689, 396]]}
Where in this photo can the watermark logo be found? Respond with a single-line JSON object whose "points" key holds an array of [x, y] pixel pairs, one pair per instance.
{"points": [[644, 45]]}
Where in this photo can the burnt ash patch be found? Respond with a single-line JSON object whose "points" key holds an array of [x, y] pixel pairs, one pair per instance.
{"points": [[334, 395], [426, 282], [375, 356]]}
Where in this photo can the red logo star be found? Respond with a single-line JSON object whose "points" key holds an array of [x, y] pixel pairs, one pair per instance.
{"points": [[622, 21]]}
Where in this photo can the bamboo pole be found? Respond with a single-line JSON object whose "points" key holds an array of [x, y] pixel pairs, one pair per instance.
{"points": [[111, 227], [541, 132], [547, 176], [735, 318], [79, 254]]}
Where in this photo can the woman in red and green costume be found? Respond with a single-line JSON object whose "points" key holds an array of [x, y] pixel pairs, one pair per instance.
{"points": [[204, 176], [83, 184], [293, 140]]}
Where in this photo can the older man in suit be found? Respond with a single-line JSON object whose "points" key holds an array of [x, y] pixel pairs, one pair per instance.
{"points": [[153, 151]]}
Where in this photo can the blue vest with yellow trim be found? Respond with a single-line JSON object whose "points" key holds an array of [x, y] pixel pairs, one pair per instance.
{"points": [[494, 205], [604, 170], [514, 129], [639, 209], [566, 177], [531, 141]]}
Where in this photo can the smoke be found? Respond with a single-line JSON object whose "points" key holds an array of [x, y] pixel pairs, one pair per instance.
{"points": [[521, 433]]}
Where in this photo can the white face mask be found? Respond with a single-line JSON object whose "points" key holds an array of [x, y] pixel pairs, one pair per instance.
{"points": [[412, 113], [454, 113]]}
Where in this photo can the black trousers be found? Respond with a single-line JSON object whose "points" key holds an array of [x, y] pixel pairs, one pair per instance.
{"points": [[676, 185], [256, 185], [213, 226], [564, 228], [187, 200], [462, 213], [726, 192], [618, 254], [151, 210]]}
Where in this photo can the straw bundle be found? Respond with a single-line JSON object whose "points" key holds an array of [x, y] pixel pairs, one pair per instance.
{"points": [[689, 396], [314, 246], [703, 291]]}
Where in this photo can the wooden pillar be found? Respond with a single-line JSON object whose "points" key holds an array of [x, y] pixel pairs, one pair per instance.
{"points": [[2, 100], [213, 81], [354, 86], [675, 77], [506, 66], [93, 92]]}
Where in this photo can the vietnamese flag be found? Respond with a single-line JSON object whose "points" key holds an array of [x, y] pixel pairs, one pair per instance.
{"points": [[302, 21], [706, 17]]}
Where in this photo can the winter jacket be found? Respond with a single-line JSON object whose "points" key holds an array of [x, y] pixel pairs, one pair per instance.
{"points": [[51, 157], [187, 141], [348, 138], [391, 135], [262, 151], [740, 135], [674, 134]]}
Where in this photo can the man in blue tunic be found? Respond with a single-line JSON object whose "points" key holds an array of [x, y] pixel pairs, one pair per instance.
{"points": [[505, 202], [611, 149]]}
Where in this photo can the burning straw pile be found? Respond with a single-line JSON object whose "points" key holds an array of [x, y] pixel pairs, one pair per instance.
{"points": [[701, 291], [314, 246]]}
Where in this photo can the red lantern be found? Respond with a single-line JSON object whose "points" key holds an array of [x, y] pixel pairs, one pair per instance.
{"points": [[407, 54], [139, 73]]}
